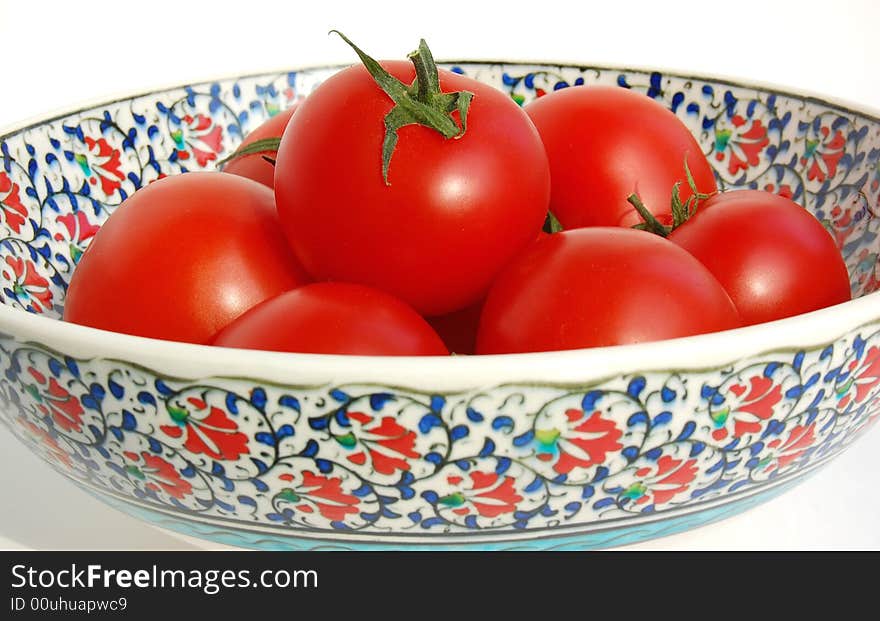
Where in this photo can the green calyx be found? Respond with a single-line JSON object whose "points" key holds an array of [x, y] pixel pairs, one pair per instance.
{"points": [[420, 103], [681, 210]]}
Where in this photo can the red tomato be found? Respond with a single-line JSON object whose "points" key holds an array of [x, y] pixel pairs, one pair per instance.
{"points": [[183, 257], [772, 256], [601, 286], [334, 318], [458, 329], [606, 142], [455, 210], [254, 165]]}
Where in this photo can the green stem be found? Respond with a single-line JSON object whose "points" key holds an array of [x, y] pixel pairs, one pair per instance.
{"points": [[426, 71], [651, 224], [266, 145], [681, 211], [420, 103], [552, 224]]}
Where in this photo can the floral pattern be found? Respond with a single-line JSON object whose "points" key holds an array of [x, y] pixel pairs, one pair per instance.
{"points": [[494, 463], [101, 164], [12, 210], [28, 287], [198, 138], [739, 143]]}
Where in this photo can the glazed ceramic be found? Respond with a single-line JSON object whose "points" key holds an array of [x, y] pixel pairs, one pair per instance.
{"points": [[571, 450]]}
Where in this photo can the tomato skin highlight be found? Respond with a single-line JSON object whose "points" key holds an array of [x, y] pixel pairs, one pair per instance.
{"points": [[455, 212], [606, 142], [254, 165], [771, 255], [334, 318], [183, 257], [601, 286]]}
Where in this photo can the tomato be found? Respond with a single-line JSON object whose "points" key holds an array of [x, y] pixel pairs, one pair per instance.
{"points": [[334, 318], [458, 329], [453, 211], [772, 256], [254, 165], [601, 286], [183, 257], [606, 142]]}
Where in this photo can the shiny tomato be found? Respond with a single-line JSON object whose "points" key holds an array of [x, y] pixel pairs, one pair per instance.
{"points": [[771, 255], [254, 165], [605, 143], [334, 318], [183, 257], [452, 210], [600, 286]]}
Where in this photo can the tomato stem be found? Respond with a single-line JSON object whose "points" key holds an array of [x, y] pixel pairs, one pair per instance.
{"points": [[651, 223], [681, 210], [552, 224], [266, 145], [420, 103]]}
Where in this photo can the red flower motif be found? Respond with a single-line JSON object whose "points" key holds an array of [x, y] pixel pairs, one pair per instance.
{"points": [[325, 494], [823, 154], [13, 211], [585, 442], [865, 271], [388, 445], [57, 453], [201, 137], [493, 495], [800, 438], [79, 232], [101, 164], [754, 407], [490, 495], [843, 223], [784, 190], [55, 401], [661, 483], [864, 376], [742, 143], [157, 475], [28, 287], [209, 430]]}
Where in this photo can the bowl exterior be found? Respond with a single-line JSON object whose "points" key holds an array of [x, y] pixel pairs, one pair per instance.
{"points": [[343, 461]]}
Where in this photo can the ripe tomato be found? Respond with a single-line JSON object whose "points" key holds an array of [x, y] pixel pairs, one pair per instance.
{"points": [[458, 329], [254, 165], [772, 256], [183, 257], [606, 142], [453, 211], [334, 318], [601, 286]]}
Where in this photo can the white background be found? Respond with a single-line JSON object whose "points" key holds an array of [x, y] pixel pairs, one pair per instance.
{"points": [[54, 55]]}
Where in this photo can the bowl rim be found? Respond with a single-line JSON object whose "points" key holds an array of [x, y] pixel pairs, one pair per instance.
{"points": [[562, 368], [809, 96], [813, 329]]}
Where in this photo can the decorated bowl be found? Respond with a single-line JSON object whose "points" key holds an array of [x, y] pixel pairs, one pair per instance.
{"points": [[560, 450]]}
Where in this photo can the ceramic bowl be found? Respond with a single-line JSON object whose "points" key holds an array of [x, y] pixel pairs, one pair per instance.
{"points": [[572, 450]]}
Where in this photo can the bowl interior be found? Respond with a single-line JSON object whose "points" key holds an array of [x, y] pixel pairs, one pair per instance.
{"points": [[61, 178]]}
